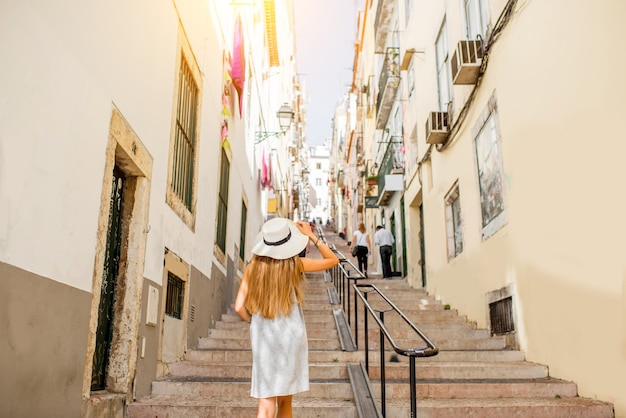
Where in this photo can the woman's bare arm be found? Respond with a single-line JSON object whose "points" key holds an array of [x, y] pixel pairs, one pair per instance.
{"points": [[240, 301], [309, 264], [329, 260]]}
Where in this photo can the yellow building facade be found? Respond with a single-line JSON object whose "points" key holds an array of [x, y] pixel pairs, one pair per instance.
{"points": [[505, 115]]}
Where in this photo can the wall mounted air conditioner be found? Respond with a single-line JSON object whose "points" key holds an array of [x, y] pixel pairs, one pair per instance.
{"points": [[466, 62], [437, 127]]}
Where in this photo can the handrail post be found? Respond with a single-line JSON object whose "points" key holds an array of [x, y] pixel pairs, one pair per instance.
{"points": [[382, 366], [366, 336], [356, 320], [412, 383], [343, 290], [348, 292]]}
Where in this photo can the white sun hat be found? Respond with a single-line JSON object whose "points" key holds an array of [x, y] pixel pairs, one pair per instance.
{"points": [[279, 238]]}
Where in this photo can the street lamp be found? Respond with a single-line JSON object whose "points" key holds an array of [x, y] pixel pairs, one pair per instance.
{"points": [[285, 116]]}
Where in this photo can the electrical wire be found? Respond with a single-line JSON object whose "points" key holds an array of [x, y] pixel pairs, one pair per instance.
{"points": [[501, 23]]}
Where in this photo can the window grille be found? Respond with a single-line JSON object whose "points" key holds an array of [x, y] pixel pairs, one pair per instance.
{"points": [[185, 136], [501, 316], [175, 296], [222, 208]]}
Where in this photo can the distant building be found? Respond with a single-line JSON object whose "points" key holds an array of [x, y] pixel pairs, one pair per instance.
{"points": [[318, 163]]}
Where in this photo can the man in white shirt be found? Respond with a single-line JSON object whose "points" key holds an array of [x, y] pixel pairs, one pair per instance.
{"points": [[384, 239]]}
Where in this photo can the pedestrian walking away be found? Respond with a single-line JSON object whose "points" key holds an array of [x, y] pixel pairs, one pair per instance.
{"points": [[269, 299], [361, 241], [384, 239]]}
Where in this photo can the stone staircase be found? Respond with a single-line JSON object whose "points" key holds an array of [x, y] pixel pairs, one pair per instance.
{"points": [[474, 374], [214, 380]]}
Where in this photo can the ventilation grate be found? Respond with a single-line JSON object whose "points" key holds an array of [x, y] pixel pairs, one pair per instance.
{"points": [[192, 313], [501, 316]]}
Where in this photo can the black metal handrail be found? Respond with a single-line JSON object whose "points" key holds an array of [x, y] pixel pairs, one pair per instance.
{"points": [[341, 274], [429, 350]]}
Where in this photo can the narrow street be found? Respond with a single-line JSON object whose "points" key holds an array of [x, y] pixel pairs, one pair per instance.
{"points": [[144, 144]]}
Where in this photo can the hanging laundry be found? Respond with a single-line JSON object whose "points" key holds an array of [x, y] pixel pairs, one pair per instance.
{"points": [[238, 71]]}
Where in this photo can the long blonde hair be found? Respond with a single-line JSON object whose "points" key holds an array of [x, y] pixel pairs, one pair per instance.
{"points": [[272, 285]]}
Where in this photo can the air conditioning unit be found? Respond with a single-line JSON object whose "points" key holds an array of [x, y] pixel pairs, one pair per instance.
{"points": [[437, 127], [466, 62]]}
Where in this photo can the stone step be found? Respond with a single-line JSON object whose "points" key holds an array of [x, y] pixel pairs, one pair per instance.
{"points": [[208, 407], [240, 388], [453, 344], [415, 316], [244, 333], [242, 370], [236, 356], [425, 326], [409, 312], [484, 356], [332, 356], [320, 332], [552, 407], [469, 389], [244, 344], [462, 370], [336, 370], [395, 389], [327, 317], [494, 343]]}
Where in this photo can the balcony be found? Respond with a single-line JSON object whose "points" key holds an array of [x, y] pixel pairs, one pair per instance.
{"points": [[359, 199], [383, 23], [388, 83], [391, 173]]}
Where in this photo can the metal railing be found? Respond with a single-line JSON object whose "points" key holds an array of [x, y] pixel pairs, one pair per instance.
{"points": [[344, 275], [427, 350], [390, 69], [346, 271]]}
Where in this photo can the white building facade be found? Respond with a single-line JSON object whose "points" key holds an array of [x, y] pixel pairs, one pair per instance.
{"points": [[131, 185], [319, 198]]}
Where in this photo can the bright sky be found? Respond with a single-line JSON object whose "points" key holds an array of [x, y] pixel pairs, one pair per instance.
{"points": [[325, 36]]}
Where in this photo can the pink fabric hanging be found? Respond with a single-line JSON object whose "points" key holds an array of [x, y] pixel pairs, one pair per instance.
{"points": [[238, 71], [270, 182], [264, 171]]}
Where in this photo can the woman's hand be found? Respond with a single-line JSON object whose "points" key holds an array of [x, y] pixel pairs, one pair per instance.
{"points": [[305, 228]]}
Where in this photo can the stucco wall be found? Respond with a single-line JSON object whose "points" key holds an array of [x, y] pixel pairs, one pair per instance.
{"points": [[44, 325], [561, 247]]}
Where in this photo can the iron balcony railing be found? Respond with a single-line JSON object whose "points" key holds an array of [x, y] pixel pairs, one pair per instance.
{"points": [[390, 68], [392, 162]]}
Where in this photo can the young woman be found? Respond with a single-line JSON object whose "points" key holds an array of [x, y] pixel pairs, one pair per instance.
{"points": [[361, 240], [270, 298]]}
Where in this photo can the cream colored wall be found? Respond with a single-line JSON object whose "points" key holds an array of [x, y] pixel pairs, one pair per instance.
{"points": [[557, 77], [55, 115]]}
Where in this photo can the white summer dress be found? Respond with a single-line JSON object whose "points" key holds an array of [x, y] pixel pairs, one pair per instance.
{"points": [[280, 355]]}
